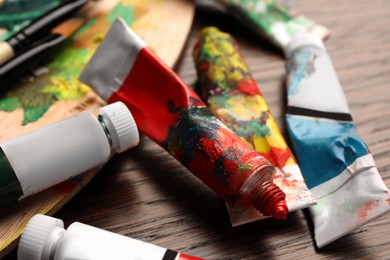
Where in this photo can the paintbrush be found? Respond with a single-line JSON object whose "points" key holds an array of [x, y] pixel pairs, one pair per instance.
{"points": [[15, 69], [38, 29]]}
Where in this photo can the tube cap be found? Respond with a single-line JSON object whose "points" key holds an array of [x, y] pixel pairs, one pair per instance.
{"points": [[304, 39], [121, 126], [40, 233]]}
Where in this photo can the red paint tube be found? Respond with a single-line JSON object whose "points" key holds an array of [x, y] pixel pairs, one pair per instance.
{"points": [[171, 114]]}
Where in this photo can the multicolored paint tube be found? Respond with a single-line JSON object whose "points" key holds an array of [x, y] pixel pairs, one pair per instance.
{"points": [[234, 98], [337, 165], [171, 114], [273, 19], [45, 238]]}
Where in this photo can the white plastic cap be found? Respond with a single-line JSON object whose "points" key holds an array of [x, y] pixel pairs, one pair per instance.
{"points": [[39, 236], [304, 39], [120, 125]]}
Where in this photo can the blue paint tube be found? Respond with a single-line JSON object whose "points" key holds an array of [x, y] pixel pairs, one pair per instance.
{"points": [[336, 163]]}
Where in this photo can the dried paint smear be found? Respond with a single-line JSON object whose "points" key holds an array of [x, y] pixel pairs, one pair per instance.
{"points": [[58, 80]]}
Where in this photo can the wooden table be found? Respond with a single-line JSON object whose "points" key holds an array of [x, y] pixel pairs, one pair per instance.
{"points": [[146, 194]]}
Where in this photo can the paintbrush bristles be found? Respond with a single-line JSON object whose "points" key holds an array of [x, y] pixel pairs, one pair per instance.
{"points": [[69, 27], [6, 52]]}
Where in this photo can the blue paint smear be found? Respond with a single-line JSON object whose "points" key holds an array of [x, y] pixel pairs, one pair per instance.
{"points": [[301, 65], [324, 148]]}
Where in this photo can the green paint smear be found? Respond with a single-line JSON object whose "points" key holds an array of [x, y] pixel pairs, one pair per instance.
{"points": [[244, 167], [32, 114], [271, 12], [123, 11], [61, 83], [349, 207], [84, 28], [274, 11], [28, 97], [9, 104]]}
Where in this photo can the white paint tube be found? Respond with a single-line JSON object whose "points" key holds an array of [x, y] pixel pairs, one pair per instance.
{"points": [[45, 238], [336, 164]]}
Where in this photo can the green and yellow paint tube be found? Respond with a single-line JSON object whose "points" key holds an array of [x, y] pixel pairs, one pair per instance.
{"points": [[273, 19]]}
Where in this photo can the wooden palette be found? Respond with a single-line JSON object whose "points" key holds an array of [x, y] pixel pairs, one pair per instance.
{"points": [[57, 94]]}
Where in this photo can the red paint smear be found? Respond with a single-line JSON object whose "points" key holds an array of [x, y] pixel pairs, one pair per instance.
{"points": [[156, 97], [65, 187], [287, 183], [188, 257], [229, 146], [388, 199], [277, 156], [368, 206], [247, 88]]}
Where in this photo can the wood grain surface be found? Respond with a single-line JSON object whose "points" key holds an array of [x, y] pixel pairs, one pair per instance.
{"points": [[146, 194]]}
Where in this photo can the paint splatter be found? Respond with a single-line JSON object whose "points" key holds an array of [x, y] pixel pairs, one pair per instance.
{"points": [[64, 89], [363, 211], [36, 95]]}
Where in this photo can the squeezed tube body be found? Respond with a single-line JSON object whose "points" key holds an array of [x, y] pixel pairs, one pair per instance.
{"points": [[336, 163], [273, 19], [52, 154], [45, 238], [170, 113], [233, 96], [45, 153]]}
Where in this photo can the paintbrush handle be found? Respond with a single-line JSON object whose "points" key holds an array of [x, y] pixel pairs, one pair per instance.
{"points": [[42, 25], [6, 52], [15, 69]]}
